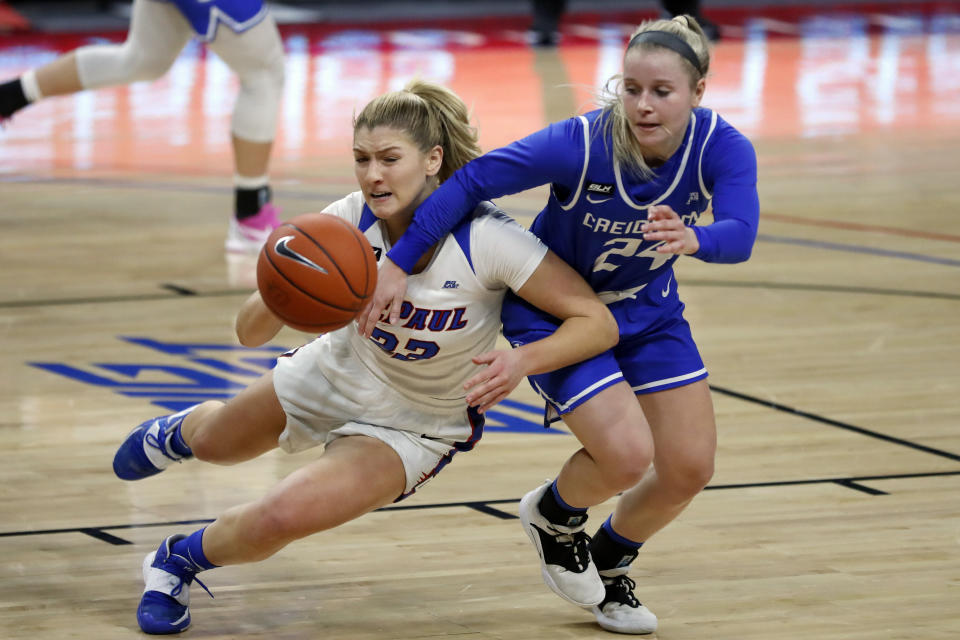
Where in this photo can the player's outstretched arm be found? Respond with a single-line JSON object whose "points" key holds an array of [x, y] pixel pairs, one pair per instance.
{"points": [[552, 155], [256, 324], [588, 328], [388, 297]]}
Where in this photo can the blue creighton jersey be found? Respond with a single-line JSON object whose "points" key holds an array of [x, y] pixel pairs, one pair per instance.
{"points": [[596, 207], [592, 220], [206, 15]]}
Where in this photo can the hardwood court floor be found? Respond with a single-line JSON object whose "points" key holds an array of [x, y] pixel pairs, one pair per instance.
{"points": [[834, 356]]}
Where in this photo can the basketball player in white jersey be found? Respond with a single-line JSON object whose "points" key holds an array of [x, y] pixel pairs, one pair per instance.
{"points": [[393, 409], [242, 33]]}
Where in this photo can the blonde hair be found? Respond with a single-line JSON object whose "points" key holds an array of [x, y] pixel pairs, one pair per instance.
{"points": [[626, 149], [430, 115]]}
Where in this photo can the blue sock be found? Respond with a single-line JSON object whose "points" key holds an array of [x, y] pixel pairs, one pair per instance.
{"points": [[175, 439], [619, 539], [191, 548], [178, 444], [610, 550]]}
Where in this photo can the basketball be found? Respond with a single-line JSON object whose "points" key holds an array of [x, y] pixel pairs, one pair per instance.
{"points": [[316, 271]]}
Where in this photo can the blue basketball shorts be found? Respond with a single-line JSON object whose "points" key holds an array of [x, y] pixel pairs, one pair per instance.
{"points": [[206, 15], [656, 352]]}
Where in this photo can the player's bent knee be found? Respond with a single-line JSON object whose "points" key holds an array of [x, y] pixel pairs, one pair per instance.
{"points": [[145, 66], [627, 466], [266, 73], [623, 477], [686, 477], [255, 113], [275, 72]]}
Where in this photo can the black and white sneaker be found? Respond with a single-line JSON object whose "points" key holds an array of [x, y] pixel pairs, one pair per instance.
{"points": [[620, 610], [565, 561]]}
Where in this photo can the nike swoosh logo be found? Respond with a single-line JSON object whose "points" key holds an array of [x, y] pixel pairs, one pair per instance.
{"points": [[666, 291], [590, 199], [607, 297], [281, 248]]}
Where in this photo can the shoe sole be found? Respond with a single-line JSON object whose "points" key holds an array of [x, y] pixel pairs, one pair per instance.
{"points": [[535, 539], [242, 244], [616, 627]]}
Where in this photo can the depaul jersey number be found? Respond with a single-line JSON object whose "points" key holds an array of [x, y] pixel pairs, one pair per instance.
{"points": [[415, 349]]}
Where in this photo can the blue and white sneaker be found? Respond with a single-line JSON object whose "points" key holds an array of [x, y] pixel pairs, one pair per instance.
{"points": [[146, 450], [165, 603]]}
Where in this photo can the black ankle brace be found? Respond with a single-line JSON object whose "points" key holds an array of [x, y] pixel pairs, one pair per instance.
{"points": [[557, 513], [12, 98], [249, 201], [608, 553]]}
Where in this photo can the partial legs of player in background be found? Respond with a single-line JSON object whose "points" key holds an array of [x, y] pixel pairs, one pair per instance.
{"points": [[256, 56], [545, 29], [158, 32], [675, 8]]}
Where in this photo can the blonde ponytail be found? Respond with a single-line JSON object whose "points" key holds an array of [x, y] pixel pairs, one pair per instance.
{"points": [[431, 115]]}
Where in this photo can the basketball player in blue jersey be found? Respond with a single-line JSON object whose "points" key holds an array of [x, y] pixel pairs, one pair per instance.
{"points": [[242, 33], [394, 409], [629, 183]]}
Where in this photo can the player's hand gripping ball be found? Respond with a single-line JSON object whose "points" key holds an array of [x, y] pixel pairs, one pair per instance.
{"points": [[316, 271]]}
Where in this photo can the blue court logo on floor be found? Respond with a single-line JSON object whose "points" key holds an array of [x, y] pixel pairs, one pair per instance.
{"points": [[210, 371]]}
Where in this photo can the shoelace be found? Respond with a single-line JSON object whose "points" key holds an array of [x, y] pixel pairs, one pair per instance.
{"points": [[623, 587], [159, 445], [184, 566], [577, 545], [177, 589]]}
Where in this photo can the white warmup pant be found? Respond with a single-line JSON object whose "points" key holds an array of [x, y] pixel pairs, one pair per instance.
{"points": [[158, 32]]}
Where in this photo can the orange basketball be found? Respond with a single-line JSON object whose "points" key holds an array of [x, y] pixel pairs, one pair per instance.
{"points": [[316, 271]]}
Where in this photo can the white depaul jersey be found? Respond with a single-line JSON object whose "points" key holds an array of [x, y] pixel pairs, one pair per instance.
{"points": [[451, 310]]}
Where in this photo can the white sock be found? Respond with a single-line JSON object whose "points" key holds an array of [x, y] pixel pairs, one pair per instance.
{"points": [[31, 90], [247, 182]]}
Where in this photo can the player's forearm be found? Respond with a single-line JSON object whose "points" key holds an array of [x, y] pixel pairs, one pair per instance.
{"points": [[434, 219], [576, 339], [540, 158], [725, 241], [256, 325]]}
